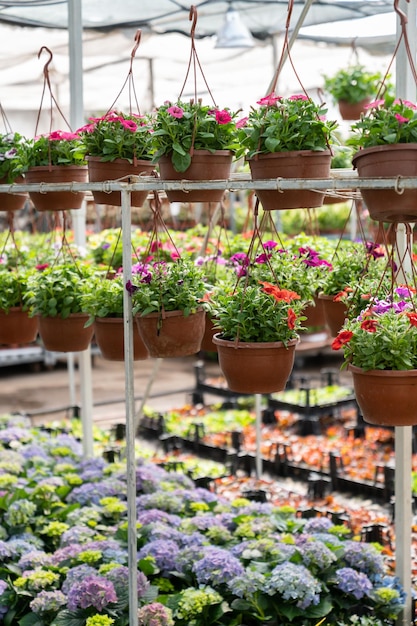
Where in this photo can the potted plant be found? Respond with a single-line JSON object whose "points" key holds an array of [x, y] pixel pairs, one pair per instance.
{"points": [[16, 327], [103, 301], [258, 324], [386, 140], [57, 157], [288, 138], [380, 350], [352, 88], [352, 262], [194, 141], [118, 145], [11, 170], [54, 296], [167, 302]]}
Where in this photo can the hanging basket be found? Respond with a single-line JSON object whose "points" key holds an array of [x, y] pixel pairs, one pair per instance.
{"points": [[57, 200], [65, 335], [294, 164], [334, 313], [255, 367], [172, 334], [352, 110], [109, 335], [315, 315], [13, 201], [100, 171], [209, 331], [16, 327], [386, 397], [389, 161], [205, 165]]}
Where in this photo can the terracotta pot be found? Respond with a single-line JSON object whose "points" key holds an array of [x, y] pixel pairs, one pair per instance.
{"points": [[57, 200], [386, 205], [10, 201], [65, 335], [255, 367], [352, 111], [205, 165], [295, 164], [99, 171], [334, 313], [386, 397], [209, 331], [109, 335], [314, 314], [172, 334], [16, 327]]}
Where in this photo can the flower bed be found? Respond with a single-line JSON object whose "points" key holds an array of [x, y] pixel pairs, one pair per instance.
{"points": [[202, 559]]}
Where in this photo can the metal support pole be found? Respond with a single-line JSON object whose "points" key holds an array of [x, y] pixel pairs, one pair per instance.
{"points": [[130, 411], [258, 424]]}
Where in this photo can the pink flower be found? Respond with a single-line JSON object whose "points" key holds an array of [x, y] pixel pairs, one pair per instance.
{"points": [[401, 119], [242, 122], [269, 100], [175, 111], [406, 103], [374, 104], [129, 125], [57, 135], [298, 96], [223, 117]]}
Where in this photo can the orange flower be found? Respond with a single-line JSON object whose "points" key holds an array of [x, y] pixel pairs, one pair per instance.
{"points": [[342, 294], [369, 325], [279, 294], [342, 338], [291, 318]]}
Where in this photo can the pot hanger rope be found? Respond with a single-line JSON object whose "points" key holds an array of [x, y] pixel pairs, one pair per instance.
{"points": [[48, 87], [129, 80]]}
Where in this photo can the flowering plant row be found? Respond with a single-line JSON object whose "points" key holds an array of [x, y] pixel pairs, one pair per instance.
{"points": [[201, 559]]}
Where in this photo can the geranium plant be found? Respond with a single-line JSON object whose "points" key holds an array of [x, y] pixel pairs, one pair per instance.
{"points": [[10, 157], [281, 124], [386, 121], [166, 286], [56, 148], [118, 135], [384, 335], [181, 127]]}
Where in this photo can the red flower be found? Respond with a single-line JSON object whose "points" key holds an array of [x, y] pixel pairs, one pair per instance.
{"points": [[279, 294], [342, 294], [291, 318], [369, 325], [342, 338], [412, 318], [223, 117]]}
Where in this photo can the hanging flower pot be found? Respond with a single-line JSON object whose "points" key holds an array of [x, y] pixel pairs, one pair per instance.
{"points": [[16, 327], [65, 335], [209, 331], [293, 164], [315, 315], [13, 201], [352, 110], [387, 205], [101, 171], [205, 165], [255, 367], [334, 313], [172, 334], [386, 397], [57, 200], [109, 335]]}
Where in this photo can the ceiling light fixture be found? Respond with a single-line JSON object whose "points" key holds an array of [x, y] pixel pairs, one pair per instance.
{"points": [[234, 33]]}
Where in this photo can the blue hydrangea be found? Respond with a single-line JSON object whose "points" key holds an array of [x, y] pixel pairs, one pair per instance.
{"points": [[164, 553], [295, 583], [353, 583], [92, 591], [217, 567], [247, 585], [364, 557], [318, 525], [48, 601], [317, 554], [150, 516]]}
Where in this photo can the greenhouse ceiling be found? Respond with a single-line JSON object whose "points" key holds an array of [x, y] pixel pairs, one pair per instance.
{"points": [[262, 17]]}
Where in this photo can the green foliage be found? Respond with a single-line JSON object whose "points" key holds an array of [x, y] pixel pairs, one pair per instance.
{"points": [[181, 127], [57, 148], [10, 147], [13, 284], [388, 121], [353, 84], [175, 286], [103, 297], [286, 124], [117, 135], [57, 290]]}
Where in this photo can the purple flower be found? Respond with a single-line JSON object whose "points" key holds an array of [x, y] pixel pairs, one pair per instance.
{"points": [[318, 525], [217, 567], [130, 287], [155, 614], [364, 557], [151, 516], [119, 576], [93, 591], [76, 574], [294, 582], [48, 601], [352, 582], [164, 553]]}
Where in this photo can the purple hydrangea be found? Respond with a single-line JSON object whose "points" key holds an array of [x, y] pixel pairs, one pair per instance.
{"points": [[353, 583], [34, 558], [48, 601], [364, 557], [93, 591], [164, 553], [155, 614], [151, 516], [318, 525], [317, 554], [119, 576], [94, 492], [76, 574], [217, 567], [294, 583]]}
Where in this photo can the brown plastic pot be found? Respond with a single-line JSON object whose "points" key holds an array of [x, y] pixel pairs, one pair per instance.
{"points": [[16, 327], [13, 201], [119, 169], [109, 335], [65, 335], [352, 110], [172, 334], [334, 313], [57, 200]]}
